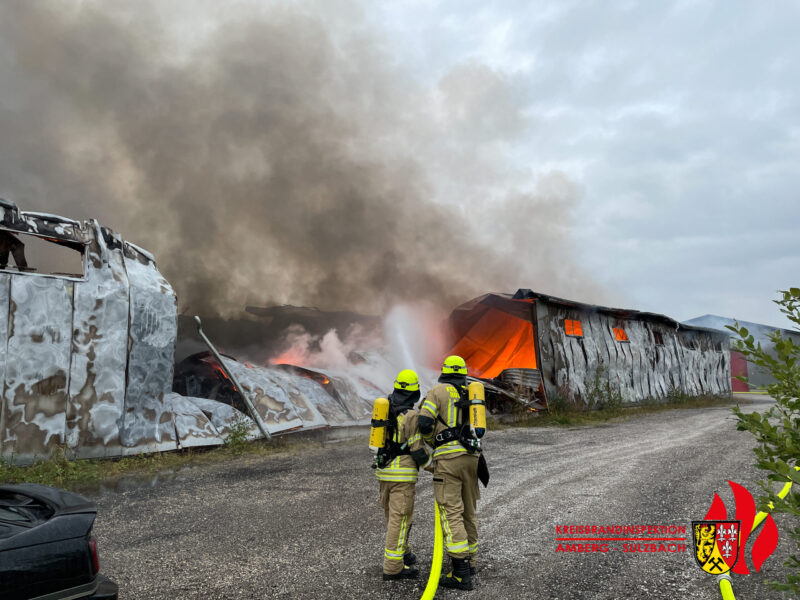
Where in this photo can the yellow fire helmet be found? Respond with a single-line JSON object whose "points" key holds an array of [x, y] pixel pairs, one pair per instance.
{"points": [[407, 380], [454, 365]]}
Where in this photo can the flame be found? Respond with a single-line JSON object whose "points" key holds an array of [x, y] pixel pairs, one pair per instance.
{"points": [[495, 342], [765, 542], [290, 357], [316, 376], [215, 365]]}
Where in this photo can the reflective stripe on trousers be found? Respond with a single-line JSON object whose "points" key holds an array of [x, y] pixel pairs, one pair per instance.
{"points": [[455, 487], [397, 500]]}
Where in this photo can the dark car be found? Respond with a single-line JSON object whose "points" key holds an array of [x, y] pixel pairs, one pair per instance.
{"points": [[46, 546]]}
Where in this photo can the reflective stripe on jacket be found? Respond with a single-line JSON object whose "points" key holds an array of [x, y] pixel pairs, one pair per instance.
{"points": [[441, 402], [403, 467]]}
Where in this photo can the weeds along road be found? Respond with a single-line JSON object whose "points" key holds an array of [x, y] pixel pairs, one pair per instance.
{"points": [[306, 524]]}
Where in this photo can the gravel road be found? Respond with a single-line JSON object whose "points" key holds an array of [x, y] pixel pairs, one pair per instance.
{"points": [[306, 524]]}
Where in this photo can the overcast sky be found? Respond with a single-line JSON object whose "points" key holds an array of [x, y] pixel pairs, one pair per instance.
{"points": [[679, 121]]}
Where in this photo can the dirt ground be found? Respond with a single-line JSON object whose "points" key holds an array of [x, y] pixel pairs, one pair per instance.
{"points": [[307, 524]]}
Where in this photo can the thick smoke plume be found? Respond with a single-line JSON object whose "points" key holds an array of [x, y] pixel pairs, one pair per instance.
{"points": [[277, 153]]}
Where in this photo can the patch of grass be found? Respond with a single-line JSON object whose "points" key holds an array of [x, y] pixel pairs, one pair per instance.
{"points": [[60, 471], [566, 415]]}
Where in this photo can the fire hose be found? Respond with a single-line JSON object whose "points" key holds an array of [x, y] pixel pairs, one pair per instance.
{"points": [[436, 563], [725, 582]]}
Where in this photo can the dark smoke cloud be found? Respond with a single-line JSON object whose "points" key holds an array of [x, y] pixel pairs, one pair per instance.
{"points": [[276, 154]]}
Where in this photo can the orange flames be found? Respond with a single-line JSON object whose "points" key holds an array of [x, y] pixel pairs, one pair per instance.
{"points": [[496, 342], [290, 357]]}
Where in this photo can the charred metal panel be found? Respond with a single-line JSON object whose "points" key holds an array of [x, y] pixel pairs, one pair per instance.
{"points": [[148, 424], [5, 297], [43, 225], [223, 416], [358, 407], [99, 353], [330, 410], [705, 361], [305, 394], [192, 426], [37, 374], [270, 399]]}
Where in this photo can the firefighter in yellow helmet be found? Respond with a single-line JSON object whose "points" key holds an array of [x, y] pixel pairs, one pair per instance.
{"points": [[398, 465], [444, 424]]}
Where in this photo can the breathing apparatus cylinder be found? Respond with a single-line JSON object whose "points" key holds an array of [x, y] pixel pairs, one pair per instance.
{"points": [[377, 433], [477, 408]]}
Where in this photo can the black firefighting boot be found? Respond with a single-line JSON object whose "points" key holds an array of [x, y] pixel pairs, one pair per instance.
{"points": [[406, 573], [459, 577]]}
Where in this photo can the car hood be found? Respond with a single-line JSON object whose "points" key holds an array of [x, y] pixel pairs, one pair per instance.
{"points": [[62, 501]]}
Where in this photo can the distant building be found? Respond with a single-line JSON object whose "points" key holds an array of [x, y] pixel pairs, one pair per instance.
{"points": [[756, 376]]}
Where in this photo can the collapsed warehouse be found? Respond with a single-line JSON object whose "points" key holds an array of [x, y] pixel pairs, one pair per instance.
{"points": [[87, 355], [545, 347]]}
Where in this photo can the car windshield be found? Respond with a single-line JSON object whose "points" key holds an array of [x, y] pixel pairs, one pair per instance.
{"points": [[21, 509]]}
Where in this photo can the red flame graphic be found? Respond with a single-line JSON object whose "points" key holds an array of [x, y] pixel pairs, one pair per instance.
{"points": [[766, 541]]}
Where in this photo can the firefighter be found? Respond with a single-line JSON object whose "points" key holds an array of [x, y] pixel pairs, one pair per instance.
{"points": [[398, 466], [9, 243], [444, 424]]}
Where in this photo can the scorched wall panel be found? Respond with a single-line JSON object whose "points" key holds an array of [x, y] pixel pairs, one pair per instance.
{"points": [[148, 424], [5, 297], [99, 354], [37, 379]]}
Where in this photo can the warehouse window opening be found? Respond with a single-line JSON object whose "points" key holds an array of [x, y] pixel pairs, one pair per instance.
{"points": [[620, 335], [573, 327], [28, 253], [658, 338]]}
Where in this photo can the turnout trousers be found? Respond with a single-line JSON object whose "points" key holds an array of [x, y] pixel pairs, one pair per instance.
{"points": [[455, 487], [397, 500]]}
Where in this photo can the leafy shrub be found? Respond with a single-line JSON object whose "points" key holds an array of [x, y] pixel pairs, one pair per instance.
{"points": [[777, 430]]}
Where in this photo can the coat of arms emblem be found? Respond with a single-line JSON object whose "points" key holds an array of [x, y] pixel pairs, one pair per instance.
{"points": [[716, 545]]}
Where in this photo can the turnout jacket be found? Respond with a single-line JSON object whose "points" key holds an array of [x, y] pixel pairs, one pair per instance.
{"points": [[403, 467], [441, 402]]}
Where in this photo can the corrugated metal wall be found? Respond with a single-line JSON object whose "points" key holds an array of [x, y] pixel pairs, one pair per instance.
{"points": [[656, 360]]}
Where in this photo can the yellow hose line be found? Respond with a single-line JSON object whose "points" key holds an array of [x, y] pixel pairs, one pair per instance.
{"points": [[725, 587], [436, 563], [725, 584], [782, 494]]}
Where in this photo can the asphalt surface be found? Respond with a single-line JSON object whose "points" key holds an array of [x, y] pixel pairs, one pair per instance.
{"points": [[307, 524]]}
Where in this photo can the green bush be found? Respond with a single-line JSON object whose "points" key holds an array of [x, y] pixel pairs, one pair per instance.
{"points": [[558, 403], [777, 430], [600, 395], [236, 440]]}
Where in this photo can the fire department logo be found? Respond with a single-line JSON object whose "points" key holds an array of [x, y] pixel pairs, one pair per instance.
{"points": [[716, 545]]}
